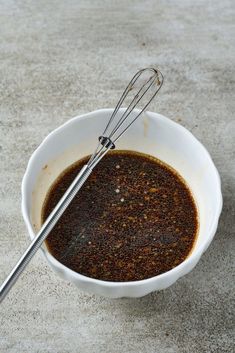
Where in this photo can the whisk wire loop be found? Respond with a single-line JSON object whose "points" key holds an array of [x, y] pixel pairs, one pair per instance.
{"points": [[116, 125]]}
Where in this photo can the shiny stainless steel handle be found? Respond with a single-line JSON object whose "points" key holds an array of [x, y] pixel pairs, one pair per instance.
{"points": [[45, 230]]}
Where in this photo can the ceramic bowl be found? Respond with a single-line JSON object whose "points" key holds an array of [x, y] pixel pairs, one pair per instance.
{"points": [[153, 134]]}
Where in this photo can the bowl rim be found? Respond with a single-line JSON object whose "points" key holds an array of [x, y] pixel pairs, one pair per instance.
{"points": [[177, 271]]}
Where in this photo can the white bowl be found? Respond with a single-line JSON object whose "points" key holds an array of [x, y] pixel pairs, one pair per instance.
{"points": [[153, 134]]}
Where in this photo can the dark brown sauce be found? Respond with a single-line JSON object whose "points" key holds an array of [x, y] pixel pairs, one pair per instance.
{"points": [[134, 218]]}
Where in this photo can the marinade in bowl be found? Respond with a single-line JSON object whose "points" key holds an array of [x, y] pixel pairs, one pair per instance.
{"points": [[133, 219]]}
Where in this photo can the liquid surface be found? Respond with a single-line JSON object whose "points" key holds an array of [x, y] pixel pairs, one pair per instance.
{"points": [[134, 218]]}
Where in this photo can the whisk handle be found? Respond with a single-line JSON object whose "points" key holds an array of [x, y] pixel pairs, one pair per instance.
{"points": [[45, 230]]}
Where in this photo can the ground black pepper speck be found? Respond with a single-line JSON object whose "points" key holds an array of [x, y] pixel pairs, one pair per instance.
{"points": [[134, 218]]}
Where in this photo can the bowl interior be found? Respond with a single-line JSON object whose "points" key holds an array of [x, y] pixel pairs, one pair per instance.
{"points": [[152, 134]]}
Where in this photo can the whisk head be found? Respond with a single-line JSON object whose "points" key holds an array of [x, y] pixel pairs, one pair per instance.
{"points": [[138, 94]]}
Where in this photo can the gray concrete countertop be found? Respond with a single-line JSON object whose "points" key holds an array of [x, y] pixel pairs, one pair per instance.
{"points": [[63, 58]]}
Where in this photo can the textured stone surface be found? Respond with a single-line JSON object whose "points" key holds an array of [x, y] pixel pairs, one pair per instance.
{"points": [[63, 58]]}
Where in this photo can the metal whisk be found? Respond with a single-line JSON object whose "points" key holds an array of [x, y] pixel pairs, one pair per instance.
{"points": [[141, 89]]}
